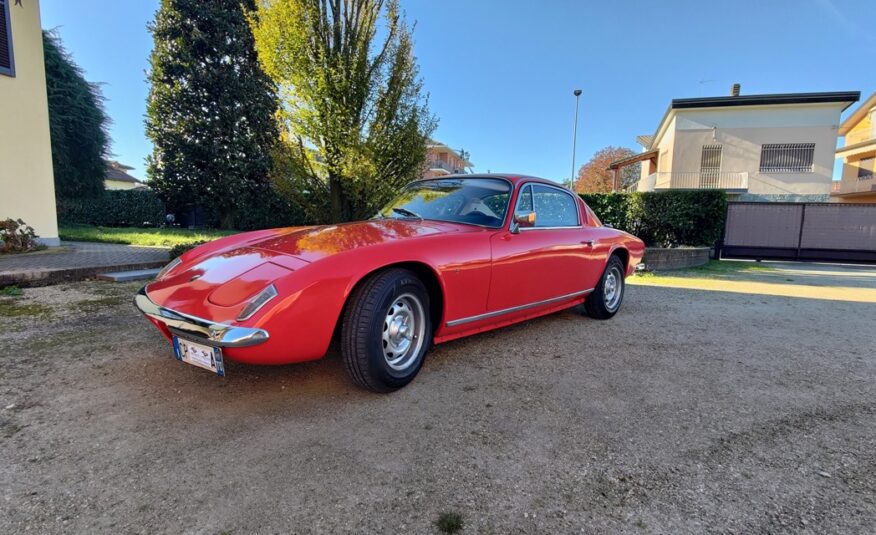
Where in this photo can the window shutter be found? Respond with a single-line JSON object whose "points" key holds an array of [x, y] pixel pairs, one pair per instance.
{"points": [[5, 39]]}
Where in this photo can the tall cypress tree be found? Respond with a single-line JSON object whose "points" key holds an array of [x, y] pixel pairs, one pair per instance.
{"points": [[211, 107], [77, 122]]}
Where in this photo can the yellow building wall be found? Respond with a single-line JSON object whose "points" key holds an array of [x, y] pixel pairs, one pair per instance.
{"points": [[861, 131], [852, 161], [27, 189]]}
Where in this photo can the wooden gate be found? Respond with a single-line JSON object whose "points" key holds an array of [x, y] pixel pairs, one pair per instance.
{"points": [[835, 232]]}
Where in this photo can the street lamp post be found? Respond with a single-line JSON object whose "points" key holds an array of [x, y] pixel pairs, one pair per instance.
{"points": [[577, 94]]}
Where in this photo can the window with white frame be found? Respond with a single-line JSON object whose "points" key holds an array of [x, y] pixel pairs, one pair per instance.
{"points": [[787, 157], [7, 63]]}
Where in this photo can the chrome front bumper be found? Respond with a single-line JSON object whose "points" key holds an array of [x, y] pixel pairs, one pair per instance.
{"points": [[198, 329]]}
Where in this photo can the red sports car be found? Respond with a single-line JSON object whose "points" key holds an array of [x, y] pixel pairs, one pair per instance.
{"points": [[449, 257]]}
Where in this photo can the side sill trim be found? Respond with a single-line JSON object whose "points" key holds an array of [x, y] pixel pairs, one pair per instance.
{"points": [[470, 319]]}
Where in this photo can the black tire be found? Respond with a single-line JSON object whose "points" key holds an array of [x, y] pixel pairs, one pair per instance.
{"points": [[596, 304], [367, 336]]}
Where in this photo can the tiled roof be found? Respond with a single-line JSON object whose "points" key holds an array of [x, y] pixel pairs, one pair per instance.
{"points": [[116, 171]]}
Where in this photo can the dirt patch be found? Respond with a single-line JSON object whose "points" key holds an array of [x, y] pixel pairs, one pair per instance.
{"points": [[691, 411]]}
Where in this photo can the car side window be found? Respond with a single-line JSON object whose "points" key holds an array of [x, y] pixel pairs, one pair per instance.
{"points": [[524, 201], [553, 207]]}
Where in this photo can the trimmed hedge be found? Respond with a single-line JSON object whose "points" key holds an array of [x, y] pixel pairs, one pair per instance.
{"points": [[143, 208], [665, 218], [114, 208]]}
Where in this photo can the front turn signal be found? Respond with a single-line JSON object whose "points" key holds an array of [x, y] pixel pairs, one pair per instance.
{"points": [[257, 302]]}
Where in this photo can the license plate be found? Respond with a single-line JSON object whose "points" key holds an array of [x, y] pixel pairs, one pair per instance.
{"points": [[209, 358]]}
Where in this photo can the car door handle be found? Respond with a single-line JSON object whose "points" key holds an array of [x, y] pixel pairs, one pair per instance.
{"points": [[588, 243]]}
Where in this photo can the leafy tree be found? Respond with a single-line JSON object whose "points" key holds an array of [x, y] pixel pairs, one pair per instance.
{"points": [[595, 177], [355, 120], [77, 123], [211, 108]]}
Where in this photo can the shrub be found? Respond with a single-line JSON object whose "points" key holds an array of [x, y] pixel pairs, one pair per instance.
{"points": [[180, 248], [666, 218], [113, 208], [611, 208], [17, 237], [263, 207]]}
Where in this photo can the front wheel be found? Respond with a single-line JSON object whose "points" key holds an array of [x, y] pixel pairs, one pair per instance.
{"points": [[386, 330], [605, 300]]}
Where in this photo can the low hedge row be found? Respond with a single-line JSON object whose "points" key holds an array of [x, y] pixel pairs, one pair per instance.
{"points": [[114, 208], [666, 218], [143, 208]]}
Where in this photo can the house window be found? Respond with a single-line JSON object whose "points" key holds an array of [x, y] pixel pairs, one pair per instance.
{"points": [[865, 168], [7, 64], [787, 157]]}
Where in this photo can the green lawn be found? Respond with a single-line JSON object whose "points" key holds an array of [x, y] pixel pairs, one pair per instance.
{"points": [[715, 269], [161, 237]]}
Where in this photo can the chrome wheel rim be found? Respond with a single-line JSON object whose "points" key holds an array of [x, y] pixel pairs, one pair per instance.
{"points": [[404, 327], [613, 288]]}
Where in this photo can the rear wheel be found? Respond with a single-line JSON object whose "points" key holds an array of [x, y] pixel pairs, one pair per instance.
{"points": [[605, 300], [386, 330]]}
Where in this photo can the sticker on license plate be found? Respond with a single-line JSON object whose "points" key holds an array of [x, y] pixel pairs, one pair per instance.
{"points": [[203, 356]]}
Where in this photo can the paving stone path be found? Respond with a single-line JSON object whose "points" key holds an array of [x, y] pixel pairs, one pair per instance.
{"points": [[76, 261]]}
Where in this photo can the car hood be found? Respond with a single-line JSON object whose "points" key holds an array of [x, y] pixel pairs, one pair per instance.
{"points": [[224, 281], [312, 243]]}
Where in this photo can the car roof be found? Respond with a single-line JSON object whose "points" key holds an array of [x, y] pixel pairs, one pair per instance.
{"points": [[514, 178]]}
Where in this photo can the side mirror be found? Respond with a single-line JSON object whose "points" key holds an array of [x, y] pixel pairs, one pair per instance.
{"points": [[524, 220]]}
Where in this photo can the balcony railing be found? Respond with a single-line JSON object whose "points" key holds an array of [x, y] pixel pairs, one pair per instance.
{"points": [[444, 166], [734, 181], [854, 185]]}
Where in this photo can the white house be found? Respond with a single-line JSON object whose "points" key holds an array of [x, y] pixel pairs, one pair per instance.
{"points": [[756, 147]]}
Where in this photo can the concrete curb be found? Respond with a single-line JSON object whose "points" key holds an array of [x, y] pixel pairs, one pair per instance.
{"points": [[45, 277], [664, 259]]}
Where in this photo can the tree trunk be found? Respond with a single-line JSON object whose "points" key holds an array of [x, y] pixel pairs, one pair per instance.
{"points": [[226, 220], [337, 198]]}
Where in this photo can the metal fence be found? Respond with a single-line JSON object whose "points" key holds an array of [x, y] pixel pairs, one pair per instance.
{"points": [[800, 231]]}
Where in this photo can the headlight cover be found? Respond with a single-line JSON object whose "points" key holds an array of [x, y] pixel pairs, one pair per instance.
{"points": [[257, 302], [168, 268]]}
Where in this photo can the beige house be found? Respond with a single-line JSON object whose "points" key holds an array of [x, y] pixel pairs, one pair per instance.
{"points": [[858, 183], [27, 189], [775, 147], [442, 160], [117, 177]]}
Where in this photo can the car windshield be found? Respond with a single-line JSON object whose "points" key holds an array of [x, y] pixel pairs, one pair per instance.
{"points": [[473, 201]]}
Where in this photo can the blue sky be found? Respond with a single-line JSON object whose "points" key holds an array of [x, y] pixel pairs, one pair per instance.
{"points": [[500, 73]]}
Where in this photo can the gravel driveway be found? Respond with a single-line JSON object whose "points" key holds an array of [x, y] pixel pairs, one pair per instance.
{"points": [[691, 411]]}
